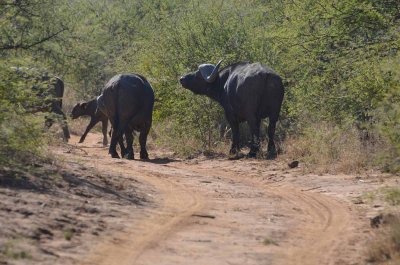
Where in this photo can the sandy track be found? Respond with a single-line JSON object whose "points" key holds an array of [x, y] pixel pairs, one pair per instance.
{"points": [[126, 247], [320, 231], [227, 212]]}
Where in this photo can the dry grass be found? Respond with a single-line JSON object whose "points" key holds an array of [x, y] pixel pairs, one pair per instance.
{"points": [[384, 246], [269, 241], [327, 148], [165, 136], [79, 125], [392, 196]]}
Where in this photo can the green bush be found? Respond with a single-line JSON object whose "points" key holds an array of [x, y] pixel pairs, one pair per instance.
{"points": [[339, 60], [388, 125], [328, 147], [21, 133]]}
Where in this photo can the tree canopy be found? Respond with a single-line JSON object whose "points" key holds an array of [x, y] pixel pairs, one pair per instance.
{"points": [[339, 58]]}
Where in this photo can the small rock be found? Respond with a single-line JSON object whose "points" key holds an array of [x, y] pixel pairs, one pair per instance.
{"points": [[376, 221], [40, 233], [293, 164]]}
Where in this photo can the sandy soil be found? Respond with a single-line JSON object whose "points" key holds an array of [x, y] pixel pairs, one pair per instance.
{"points": [[211, 211]]}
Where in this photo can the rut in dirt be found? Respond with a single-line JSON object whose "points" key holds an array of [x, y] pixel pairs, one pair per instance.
{"points": [[220, 212]]}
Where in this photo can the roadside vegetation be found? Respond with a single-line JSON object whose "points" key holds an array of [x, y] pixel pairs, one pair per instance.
{"points": [[340, 61], [384, 248], [384, 242]]}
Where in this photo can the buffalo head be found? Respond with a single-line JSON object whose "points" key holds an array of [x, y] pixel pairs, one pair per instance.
{"points": [[199, 80], [79, 110]]}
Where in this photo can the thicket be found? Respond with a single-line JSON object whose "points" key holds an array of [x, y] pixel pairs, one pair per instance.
{"points": [[21, 133], [339, 59]]}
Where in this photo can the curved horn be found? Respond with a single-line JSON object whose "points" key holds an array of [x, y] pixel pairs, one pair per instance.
{"points": [[213, 75]]}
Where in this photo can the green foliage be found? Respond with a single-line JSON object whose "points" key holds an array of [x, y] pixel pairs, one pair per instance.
{"points": [[339, 59], [387, 122], [9, 251], [27, 23], [21, 133], [392, 196]]}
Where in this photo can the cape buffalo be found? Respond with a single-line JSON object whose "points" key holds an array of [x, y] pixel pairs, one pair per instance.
{"points": [[89, 109], [128, 100], [50, 91], [247, 92]]}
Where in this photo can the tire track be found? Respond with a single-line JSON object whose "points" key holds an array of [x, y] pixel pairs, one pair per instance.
{"points": [[317, 234], [322, 231], [125, 248]]}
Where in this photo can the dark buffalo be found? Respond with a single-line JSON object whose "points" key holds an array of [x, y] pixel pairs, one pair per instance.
{"points": [[89, 109], [50, 91], [56, 91], [128, 100], [247, 92]]}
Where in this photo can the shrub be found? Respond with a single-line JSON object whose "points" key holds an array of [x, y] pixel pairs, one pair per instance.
{"points": [[21, 133], [384, 246], [329, 147], [387, 118]]}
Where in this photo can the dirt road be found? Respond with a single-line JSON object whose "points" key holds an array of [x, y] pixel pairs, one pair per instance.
{"points": [[216, 211]]}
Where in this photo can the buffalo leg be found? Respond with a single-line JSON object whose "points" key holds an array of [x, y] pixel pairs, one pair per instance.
{"points": [[254, 125], [143, 140], [112, 150], [116, 136], [129, 145], [57, 109], [122, 145], [271, 144], [91, 124], [234, 152], [104, 125], [120, 128]]}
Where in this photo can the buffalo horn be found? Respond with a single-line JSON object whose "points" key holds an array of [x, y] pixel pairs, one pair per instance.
{"points": [[213, 75]]}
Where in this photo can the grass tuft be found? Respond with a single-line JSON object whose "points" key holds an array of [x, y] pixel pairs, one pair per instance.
{"points": [[269, 241], [384, 246], [392, 196], [68, 234], [324, 147], [10, 252]]}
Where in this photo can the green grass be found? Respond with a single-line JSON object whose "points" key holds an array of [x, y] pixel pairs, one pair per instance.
{"points": [[392, 196], [369, 196], [10, 252], [269, 241], [68, 234]]}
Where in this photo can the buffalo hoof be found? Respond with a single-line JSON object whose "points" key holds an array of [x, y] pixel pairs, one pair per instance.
{"points": [[251, 155], [144, 155], [105, 143], [235, 156], [115, 155], [81, 141], [129, 156], [124, 153], [271, 155]]}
